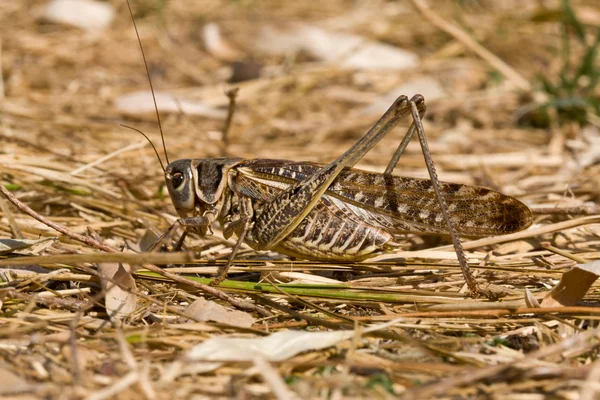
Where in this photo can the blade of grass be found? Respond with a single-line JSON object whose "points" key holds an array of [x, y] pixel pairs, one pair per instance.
{"points": [[320, 291]]}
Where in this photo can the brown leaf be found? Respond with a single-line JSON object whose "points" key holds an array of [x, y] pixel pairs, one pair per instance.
{"points": [[144, 243], [573, 285], [210, 311], [531, 301], [119, 301]]}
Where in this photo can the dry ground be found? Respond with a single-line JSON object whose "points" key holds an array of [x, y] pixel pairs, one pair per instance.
{"points": [[59, 114]]}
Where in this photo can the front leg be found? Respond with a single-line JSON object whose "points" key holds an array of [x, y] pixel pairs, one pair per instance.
{"points": [[200, 224], [241, 226], [246, 223]]}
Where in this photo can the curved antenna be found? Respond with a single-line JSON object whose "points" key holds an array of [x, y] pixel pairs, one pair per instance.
{"points": [[151, 144], [162, 136]]}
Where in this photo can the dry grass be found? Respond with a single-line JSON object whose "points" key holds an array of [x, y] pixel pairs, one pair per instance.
{"points": [[58, 115]]}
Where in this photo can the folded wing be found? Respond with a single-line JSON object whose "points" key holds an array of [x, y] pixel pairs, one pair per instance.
{"points": [[397, 204]]}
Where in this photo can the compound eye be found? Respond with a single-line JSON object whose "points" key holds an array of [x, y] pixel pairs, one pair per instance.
{"points": [[177, 180]]}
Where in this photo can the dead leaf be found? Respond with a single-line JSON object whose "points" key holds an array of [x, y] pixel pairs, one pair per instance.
{"points": [[10, 245], [343, 49], [573, 285], [218, 46], [137, 103], [147, 240], [85, 14], [531, 301], [119, 302], [275, 347], [204, 310]]}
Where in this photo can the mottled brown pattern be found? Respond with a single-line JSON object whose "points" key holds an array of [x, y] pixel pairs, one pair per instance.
{"points": [[401, 204], [360, 214]]}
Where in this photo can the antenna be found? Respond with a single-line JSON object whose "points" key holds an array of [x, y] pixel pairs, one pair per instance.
{"points": [[151, 144], [162, 136]]}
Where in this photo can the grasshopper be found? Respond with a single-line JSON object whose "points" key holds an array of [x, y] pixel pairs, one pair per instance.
{"points": [[333, 211]]}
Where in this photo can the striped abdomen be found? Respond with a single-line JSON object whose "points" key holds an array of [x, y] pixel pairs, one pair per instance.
{"points": [[324, 235]]}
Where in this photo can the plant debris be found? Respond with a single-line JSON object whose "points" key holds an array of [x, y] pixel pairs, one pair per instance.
{"points": [[87, 312]]}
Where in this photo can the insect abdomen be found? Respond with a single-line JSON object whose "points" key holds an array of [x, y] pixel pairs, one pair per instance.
{"points": [[322, 235]]}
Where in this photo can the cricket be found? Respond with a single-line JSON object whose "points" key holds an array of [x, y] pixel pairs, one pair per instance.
{"points": [[333, 212]]}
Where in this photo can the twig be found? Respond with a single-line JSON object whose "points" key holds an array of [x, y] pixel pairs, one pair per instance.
{"points": [[144, 296], [491, 312], [308, 304], [59, 228], [76, 368], [209, 289], [273, 379], [472, 45], [111, 391], [113, 257], [101, 246], [69, 303], [579, 210], [232, 94], [560, 226], [564, 253]]}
